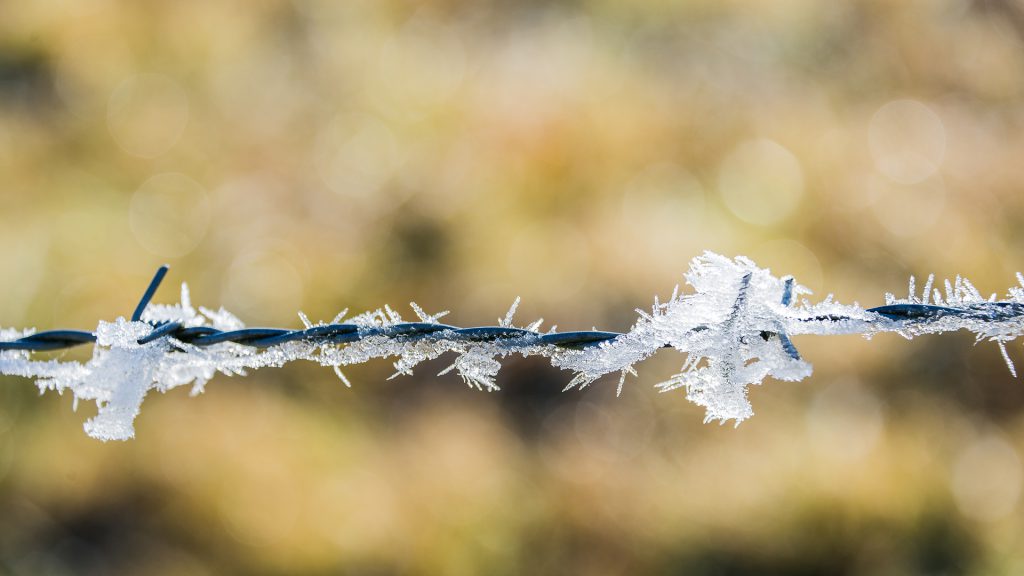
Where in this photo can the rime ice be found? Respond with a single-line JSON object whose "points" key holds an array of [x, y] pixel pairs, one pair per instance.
{"points": [[732, 328], [733, 324]]}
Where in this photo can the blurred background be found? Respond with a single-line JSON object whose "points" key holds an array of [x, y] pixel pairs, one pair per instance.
{"points": [[316, 155]]}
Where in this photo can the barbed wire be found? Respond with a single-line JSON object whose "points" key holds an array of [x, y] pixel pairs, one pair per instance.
{"points": [[734, 327], [343, 333], [910, 315]]}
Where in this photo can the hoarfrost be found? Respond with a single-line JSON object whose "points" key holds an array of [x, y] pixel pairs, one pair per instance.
{"points": [[734, 325]]}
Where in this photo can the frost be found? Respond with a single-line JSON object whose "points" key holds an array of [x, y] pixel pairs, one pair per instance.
{"points": [[729, 327], [734, 324], [120, 377], [735, 328], [963, 307]]}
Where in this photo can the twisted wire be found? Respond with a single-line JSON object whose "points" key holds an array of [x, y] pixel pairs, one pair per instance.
{"points": [[905, 314], [342, 333]]}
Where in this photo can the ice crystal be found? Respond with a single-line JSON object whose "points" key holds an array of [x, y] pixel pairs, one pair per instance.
{"points": [[733, 323]]}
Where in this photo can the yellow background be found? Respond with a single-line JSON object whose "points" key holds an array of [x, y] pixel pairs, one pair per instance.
{"points": [[305, 155]]}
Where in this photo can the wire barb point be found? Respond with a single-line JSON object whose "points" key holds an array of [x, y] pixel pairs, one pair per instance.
{"points": [[154, 284]]}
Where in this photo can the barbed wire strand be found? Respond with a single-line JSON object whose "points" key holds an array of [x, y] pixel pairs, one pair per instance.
{"points": [[907, 315], [342, 333]]}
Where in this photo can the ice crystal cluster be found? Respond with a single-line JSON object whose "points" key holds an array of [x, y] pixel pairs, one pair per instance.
{"points": [[733, 323]]}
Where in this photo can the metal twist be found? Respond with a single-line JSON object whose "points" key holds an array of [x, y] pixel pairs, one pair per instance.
{"points": [[325, 334]]}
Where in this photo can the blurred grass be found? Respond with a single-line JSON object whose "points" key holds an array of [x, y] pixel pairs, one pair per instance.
{"points": [[317, 155]]}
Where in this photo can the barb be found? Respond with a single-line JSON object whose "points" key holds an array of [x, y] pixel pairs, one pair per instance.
{"points": [[735, 328], [154, 285]]}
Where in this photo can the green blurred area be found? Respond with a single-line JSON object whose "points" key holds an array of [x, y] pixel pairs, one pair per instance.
{"points": [[313, 156]]}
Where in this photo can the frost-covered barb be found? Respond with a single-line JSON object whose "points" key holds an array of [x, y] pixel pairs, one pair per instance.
{"points": [[734, 325]]}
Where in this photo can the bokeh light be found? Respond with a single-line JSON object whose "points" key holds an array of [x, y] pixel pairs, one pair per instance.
{"points": [[908, 141], [761, 182]]}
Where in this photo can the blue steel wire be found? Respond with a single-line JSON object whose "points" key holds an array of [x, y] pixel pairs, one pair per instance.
{"points": [[154, 284], [905, 314]]}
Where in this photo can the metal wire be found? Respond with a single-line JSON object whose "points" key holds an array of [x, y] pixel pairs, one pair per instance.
{"points": [[906, 314], [325, 334]]}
